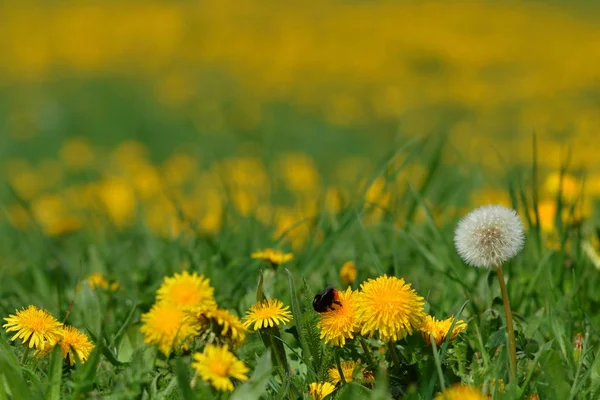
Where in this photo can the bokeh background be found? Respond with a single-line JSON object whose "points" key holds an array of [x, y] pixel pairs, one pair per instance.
{"points": [[168, 113]]}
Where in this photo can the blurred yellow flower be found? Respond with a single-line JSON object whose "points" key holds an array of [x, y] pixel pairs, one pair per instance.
{"points": [[267, 314], [179, 168], [298, 172], [76, 153], [217, 365], [185, 290], [570, 188], [97, 280], [460, 392], [439, 329], [118, 199], [273, 256], [348, 273], [35, 327], [168, 327], [54, 215]]}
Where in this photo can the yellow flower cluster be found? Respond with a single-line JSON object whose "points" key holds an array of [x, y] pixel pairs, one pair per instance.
{"points": [[387, 307], [185, 309], [38, 329]]}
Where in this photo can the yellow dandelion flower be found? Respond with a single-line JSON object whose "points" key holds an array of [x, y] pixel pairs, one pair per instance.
{"points": [[268, 313], [347, 369], [185, 290], [223, 323], [389, 306], [460, 392], [168, 327], [341, 323], [439, 329], [218, 365], [96, 279], [35, 327], [75, 341], [348, 273], [273, 256], [319, 391]]}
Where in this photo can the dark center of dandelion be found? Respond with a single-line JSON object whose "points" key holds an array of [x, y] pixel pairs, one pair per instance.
{"points": [[490, 236]]}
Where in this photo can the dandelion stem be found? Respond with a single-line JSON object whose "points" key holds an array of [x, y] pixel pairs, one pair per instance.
{"points": [[367, 352], [510, 330], [394, 354], [278, 350], [25, 354], [338, 364], [438, 364]]}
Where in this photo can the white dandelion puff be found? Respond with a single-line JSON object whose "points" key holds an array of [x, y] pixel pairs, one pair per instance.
{"points": [[489, 235]]}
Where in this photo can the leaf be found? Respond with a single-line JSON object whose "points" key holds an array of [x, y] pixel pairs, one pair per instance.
{"points": [[183, 379], [256, 386], [55, 374], [381, 391], [85, 374], [16, 386], [353, 391], [260, 296], [299, 325]]}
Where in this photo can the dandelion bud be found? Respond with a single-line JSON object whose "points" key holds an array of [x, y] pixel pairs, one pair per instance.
{"points": [[348, 273], [578, 347], [489, 235]]}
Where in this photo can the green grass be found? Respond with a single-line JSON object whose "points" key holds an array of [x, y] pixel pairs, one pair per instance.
{"points": [[554, 295]]}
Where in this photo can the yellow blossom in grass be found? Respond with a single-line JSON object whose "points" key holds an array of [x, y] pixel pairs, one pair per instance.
{"points": [[35, 327], [439, 329], [223, 323], [186, 291], [218, 365], [75, 342], [340, 324], [460, 392], [319, 391], [168, 327], [390, 307], [347, 369], [97, 281], [348, 273], [267, 314], [273, 256]]}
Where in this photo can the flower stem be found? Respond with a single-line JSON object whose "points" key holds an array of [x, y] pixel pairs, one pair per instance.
{"points": [[338, 364], [278, 350], [25, 354], [510, 330], [394, 354], [367, 352], [438, 364]]}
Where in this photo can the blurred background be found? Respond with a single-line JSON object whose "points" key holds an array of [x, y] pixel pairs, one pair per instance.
{"points": [[166, 112]]}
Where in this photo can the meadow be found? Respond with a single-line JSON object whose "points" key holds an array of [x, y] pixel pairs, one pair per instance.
{"points": [[177, 173]]}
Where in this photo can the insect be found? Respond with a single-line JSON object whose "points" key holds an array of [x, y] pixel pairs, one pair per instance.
{"points": [[325, 300]]}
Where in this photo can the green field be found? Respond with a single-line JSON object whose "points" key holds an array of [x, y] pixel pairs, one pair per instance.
{"points": [[139, 141]]}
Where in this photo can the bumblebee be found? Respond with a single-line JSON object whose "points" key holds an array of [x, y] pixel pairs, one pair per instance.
{"points": [[325, 300]]}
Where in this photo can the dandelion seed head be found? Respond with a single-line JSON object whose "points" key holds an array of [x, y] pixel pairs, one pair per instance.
{"points": [[489, 236]]}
